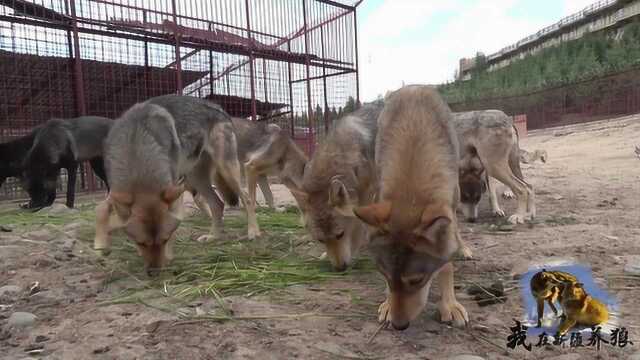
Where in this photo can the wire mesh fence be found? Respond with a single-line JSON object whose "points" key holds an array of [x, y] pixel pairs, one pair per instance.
{"points": [[290, 62]]}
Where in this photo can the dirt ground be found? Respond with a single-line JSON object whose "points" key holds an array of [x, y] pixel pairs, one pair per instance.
{"points": [[588, 202]]}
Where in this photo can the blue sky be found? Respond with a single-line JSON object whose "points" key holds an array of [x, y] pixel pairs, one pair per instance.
{"points": [[421, 41]]}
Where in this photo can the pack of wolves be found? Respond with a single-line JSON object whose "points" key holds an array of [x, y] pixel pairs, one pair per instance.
{"points": [[390, 177]]}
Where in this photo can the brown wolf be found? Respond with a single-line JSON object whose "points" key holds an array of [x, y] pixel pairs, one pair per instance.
{"points": [[489, 149], [341, 175], [152, 152], [414, 231]]}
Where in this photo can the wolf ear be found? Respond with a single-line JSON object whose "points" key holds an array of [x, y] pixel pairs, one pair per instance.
{"points": [[338, 194], [434, 234], [172, 193], [339, 198], [376, 215]]}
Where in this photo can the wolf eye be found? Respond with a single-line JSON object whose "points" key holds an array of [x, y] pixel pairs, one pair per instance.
{"points": [[340, 235], [414, 281]]}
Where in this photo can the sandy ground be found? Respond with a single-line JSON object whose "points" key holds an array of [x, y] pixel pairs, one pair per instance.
{"points": [[588, 200]]}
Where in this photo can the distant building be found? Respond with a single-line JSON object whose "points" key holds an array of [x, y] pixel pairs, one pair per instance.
{"points": [[605, 14]]}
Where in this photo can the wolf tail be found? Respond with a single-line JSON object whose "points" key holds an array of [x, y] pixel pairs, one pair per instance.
{"points": [[229, 194]]}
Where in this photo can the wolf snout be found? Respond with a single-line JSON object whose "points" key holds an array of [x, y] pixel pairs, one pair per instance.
{"points": [[153, 271], [341, 267], [401, 326]]}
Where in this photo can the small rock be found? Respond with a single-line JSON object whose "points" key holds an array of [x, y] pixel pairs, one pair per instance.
{"points": [[631, 264], [75, 225], [42, 338], [39, 235], [57, 209], [4, 228], [466, 357], [21, 319], [34, 348], [557, 197], [281, 209], [9, 290], [101, 350]]}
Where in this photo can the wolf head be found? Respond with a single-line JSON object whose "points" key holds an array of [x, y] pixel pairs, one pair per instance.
{"points": [[330, 219], [573, 291], [150, 220], [473, 183], [409, 252]]}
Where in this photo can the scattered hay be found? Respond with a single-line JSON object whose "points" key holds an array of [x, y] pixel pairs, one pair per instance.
{"points": [[228, 267]]}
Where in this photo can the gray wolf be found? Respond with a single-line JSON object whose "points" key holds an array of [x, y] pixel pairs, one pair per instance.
{"points": [[153, 152], [340, 176], [531, 157], [488, 149], [264, 149], [63, 143], [413, 228]]}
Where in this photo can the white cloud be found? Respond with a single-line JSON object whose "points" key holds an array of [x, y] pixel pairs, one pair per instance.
{"points": [[392, 52]]}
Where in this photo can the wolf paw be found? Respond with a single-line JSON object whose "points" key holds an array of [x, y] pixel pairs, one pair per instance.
{"points": [[384, 312], [207, 238], [466, 252], [516, 219], [508, 194], [498, 212], [453, 312], [103, 252], [253, 233]]}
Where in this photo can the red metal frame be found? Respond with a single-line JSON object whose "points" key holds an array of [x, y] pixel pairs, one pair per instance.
{"points": [[66, 58]]}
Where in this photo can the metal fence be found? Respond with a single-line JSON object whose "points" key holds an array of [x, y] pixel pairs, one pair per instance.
{"points": [[611, 95], [270, 60]]}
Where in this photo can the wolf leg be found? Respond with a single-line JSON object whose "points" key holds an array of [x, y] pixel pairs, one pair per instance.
{"points": [[224, 152], [521, 189], [492, 184], [200, 180], [72, 172], [102, 241], [450, 309], [263, 182]]}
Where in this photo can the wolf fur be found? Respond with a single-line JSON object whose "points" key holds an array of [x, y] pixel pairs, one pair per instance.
{"points": [[414, 231], [264, 149], [155, 150], [63, 143], [488, 145], [340, 176]]}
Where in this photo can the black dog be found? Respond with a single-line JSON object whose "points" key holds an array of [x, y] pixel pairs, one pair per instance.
{"points": [[63, 144]]}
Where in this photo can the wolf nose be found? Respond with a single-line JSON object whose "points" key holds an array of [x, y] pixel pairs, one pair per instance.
{"points": [[471, 219], [153, 272], [401, 327], [342, 267]]}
